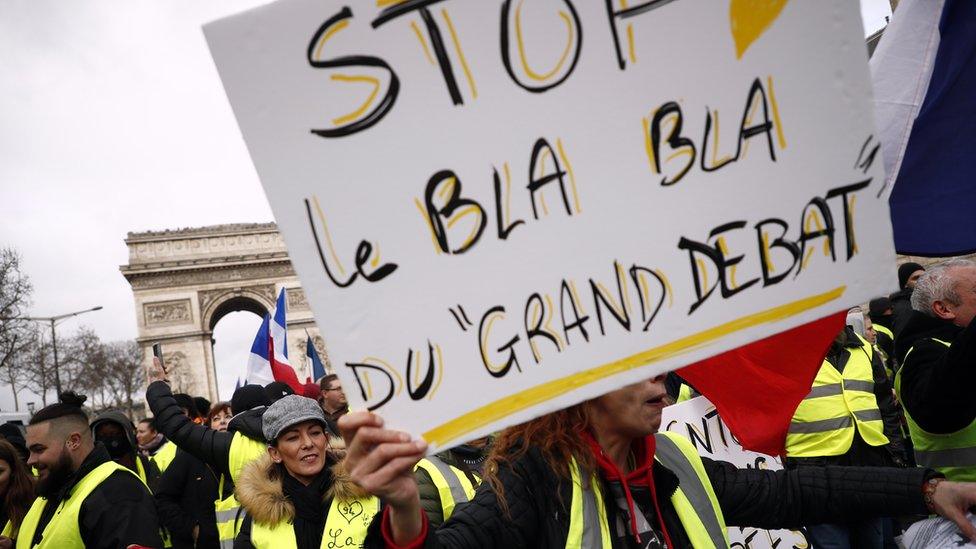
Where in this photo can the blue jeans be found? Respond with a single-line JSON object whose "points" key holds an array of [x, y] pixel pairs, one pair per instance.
{"points": [[863, 535]]}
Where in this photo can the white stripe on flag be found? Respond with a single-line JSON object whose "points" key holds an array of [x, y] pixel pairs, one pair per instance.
{"points": [[259, 370], [900, 71]]}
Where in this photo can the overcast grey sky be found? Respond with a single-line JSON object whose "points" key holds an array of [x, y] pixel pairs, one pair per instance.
{"points": [[112, 120]]}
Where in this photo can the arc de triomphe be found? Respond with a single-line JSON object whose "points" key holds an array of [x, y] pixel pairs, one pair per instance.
{"points": [[184, 281]]}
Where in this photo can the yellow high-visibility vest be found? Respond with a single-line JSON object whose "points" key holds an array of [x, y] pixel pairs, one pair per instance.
{"points": [[694, 500], [686, 392], [62, 531], [837, 404], [884, 330], [228, 517], [243, 450], [164, 456], [345, 526], [453, 486], [952, 454]]}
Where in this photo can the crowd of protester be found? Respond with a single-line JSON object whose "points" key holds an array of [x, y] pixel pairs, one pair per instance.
{"points": [[886, 435]]}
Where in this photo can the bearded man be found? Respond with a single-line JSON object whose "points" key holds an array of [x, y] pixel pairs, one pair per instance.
{"points": [[85, 498]]}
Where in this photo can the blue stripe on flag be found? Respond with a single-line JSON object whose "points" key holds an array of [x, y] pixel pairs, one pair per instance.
{"points": [[318, 369], [260, 345], [934, 197], [279, 318]]}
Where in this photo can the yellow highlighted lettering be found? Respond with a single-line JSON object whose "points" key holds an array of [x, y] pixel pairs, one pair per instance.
{"points": [[457, 47], [780, 136], [365, 106], [521, 45], [459, 427]]}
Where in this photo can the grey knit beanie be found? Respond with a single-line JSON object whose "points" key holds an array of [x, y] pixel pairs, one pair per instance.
{"points": [[288, 411]]}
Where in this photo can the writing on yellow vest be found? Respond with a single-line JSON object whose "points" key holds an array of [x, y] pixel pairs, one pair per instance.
{"points": [[836, 406], [453, 486], [694, 501], [952, 454], [62, 531], [345, 526]]}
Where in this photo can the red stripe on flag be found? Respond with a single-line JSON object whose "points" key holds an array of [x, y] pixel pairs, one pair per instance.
{"points": [[282, 372], [757, 387]]}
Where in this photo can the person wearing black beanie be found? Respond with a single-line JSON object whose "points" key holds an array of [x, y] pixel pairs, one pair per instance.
{"points": [[879, 310], [10, 432], [203, 406], [276, 390], [248, 397], [908, 273], [189, 407], [901, 301]]}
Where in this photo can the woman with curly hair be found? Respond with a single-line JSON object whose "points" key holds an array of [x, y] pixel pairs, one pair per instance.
{"points": [[599, 475], [16, 490]]}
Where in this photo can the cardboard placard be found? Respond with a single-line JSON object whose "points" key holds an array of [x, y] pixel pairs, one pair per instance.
{"points": [[699, 422], [501, 208]]}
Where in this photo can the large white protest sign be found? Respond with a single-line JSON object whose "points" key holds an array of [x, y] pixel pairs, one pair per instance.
{"points": [[698, 421], [498, 208]]}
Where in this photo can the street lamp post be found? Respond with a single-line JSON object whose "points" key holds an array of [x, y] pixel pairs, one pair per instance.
{"points": [[54, 340]]}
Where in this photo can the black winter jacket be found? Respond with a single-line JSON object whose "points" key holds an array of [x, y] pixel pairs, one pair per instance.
{"points": [[539, 502], [210, 446], [185, 498], [901, 309], [118, 513], [937, 382]]}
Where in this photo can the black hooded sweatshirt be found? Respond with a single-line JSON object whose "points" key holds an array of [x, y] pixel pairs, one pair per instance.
{"points": [[128, 447]]}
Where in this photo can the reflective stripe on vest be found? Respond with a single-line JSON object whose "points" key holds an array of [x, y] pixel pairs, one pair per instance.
{"points": [[345, 526], [164, 456], [588, 524], [837, 404], [243, 450], [952, 454], [62, 531], [228, 512], [141, 471], [694, 500], [8, 530], [453, 486]]}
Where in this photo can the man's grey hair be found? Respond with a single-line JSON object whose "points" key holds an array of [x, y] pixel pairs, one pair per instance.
{"points": [[937, 285]]}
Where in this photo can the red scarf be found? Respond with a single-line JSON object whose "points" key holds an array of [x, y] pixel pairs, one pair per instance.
{"points": [[642, 475]]}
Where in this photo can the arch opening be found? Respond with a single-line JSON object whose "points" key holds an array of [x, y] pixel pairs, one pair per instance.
{"points": [[233, 325]]}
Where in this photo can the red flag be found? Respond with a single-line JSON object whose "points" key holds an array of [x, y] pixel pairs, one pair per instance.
{"points": [[283, 372], [757, 387]]}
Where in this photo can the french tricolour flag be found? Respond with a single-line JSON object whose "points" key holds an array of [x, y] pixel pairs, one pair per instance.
{"points": [[269, 352], [924, 74]]}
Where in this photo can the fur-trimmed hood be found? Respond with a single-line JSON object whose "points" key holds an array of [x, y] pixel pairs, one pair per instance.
{"points": [[259, 491]]}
